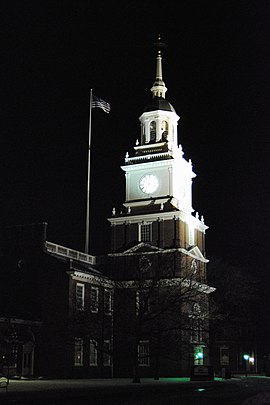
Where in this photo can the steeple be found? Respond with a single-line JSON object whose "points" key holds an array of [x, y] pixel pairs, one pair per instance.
{"points": [[159, 180], [159, 89]]}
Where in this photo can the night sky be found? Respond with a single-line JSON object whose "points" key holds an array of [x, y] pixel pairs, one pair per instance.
{"points": [[216, 68]]}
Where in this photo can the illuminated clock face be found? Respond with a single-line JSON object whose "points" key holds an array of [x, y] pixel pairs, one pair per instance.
{"points": [[149, 184]]}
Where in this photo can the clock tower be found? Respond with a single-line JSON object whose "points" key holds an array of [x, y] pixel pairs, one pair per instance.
{"points": [[158, 251], [158, 204]]}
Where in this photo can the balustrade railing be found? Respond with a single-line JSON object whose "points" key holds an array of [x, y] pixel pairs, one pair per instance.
{"points": [[72, 254]]}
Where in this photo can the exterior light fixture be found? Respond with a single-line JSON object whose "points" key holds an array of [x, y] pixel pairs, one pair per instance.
{"points": [[246, 358]]}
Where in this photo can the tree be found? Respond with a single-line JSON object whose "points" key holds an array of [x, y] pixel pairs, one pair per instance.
{"points": [[233, 305]]}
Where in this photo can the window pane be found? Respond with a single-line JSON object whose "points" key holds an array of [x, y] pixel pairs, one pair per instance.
{"points": [[94, 299], [107, 302], [80, 296], [93, 353], [107, 353], [142, 302], [145, 232], [143, 353]]}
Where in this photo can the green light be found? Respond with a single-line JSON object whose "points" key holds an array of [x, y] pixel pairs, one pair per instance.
{"points": [[199, 355], [175, 379], [246, 356]]}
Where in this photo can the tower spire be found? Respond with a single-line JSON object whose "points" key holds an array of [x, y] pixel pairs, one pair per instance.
{"points": [[159, 89]]}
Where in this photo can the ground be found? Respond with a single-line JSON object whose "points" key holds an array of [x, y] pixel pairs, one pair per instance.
{"points": [[253, 390]]}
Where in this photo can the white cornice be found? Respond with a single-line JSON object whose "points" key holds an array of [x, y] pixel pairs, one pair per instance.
{"points": [[20, 321], [148, 201], [152, 145], [90, 278], [161, 215], [150, 161], [149, 164]]}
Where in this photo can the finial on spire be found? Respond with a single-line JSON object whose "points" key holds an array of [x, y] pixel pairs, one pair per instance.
{"points": [[159, 89], [159, 44]]}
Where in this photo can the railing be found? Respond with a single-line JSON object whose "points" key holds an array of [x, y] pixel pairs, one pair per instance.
{"points": [[149, 156], [73, 254]]}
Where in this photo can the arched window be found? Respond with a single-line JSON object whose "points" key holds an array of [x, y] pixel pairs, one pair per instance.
{"points": [[143, 134], [152, 131], [164, 131]]}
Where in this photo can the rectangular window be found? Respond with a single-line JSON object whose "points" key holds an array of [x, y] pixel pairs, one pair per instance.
{"points": [[78, 352], [145, 234], [196, 331], [80, 296], [107, 302], [143, 353], [94, 299], [137, 302], [142, 302], [93, 353], [107, 353], [224, 356]]}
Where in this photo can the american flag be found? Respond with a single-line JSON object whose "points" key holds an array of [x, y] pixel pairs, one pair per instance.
{"points": [[99, 103]]}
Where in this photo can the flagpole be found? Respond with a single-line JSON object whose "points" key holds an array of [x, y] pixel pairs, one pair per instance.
{"points": [[87, 234]]}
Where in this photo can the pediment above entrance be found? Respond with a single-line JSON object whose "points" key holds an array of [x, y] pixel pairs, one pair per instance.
{"points": [[195, 252], [142, 247]]}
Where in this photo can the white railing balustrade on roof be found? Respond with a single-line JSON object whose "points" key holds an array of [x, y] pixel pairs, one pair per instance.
{"points": [[72, 254]]}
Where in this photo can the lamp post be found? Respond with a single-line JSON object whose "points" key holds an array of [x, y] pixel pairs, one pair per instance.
{"points": [[246, 358]]}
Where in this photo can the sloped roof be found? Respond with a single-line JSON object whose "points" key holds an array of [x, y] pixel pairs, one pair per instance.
{"points": [[159, 103]]}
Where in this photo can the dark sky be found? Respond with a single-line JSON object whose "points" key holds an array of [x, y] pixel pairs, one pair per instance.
{"points": [[216, 68]]}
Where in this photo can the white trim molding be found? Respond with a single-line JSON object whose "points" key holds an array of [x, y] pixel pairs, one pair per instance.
{"points": [[193, 252], [151, 217]]}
